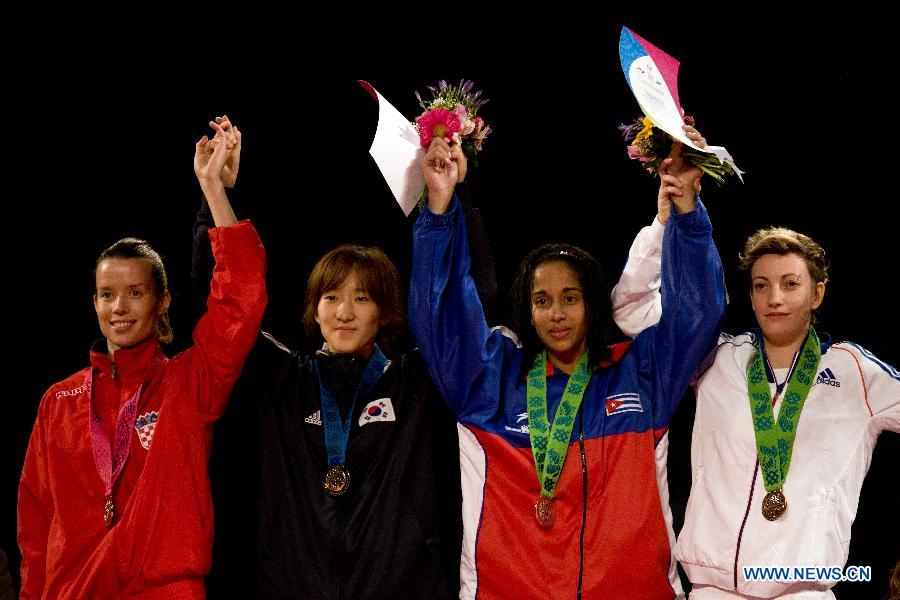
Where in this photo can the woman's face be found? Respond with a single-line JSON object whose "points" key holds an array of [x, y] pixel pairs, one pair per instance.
{"points": [[783, 295], [348, 318], [558, 311], [126, 301]]}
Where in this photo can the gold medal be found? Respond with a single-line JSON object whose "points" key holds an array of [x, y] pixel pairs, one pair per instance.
{"points": [[774, 505], [543, 510], [337, 480], [109, 512]]}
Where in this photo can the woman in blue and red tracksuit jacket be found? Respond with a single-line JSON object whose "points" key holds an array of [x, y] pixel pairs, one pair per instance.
{"points": [[88, 529], [611, 537]]}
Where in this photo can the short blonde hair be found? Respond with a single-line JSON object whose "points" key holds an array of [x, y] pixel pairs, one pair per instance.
{"points": [[781, 240]]}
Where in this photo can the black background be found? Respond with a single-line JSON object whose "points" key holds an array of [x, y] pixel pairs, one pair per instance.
{"points": [[100, 132]]}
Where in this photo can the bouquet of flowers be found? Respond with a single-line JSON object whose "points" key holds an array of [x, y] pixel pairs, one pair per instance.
{"points": [[452, 112], [651, 145]]}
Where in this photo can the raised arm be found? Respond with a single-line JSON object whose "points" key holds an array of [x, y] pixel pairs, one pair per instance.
{"points": [[201, 257], [446, 316], [210, 158], [636, 299], [692, 294], [482, 269], [225, 334]]}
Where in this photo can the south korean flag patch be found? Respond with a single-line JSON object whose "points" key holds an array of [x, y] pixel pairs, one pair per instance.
{"points": [[377, 411], [146, 427]]}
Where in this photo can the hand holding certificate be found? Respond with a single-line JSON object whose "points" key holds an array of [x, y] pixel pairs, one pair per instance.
{"points": [[653, 77]]}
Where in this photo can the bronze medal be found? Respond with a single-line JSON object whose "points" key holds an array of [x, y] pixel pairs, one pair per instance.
{"points": [[774, 505], [109, 512], [337, 480], [543, 510]]}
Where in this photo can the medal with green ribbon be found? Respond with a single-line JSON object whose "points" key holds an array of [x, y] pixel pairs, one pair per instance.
{"points": [[775, 437], [550, 445]]}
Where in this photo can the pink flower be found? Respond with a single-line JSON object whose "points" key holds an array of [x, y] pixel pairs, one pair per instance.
{"points": [[438, 122], [480, 132], [634, 152], [467, 126]]}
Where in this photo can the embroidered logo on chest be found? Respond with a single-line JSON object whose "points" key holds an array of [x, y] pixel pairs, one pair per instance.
{"points": [[520, 426], [377, 411], [623, 403], [79, 390], [827, 377], [146, 427]]}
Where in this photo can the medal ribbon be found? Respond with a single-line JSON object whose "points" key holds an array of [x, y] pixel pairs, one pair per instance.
{"points": [[337, 432], [109, 459], [551, 444], [775, 437]]}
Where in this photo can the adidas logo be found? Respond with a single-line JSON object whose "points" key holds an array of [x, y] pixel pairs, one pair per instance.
{"points": [[315, 418], [828, 378]]}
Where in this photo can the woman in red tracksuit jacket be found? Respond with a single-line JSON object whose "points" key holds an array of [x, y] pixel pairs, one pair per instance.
{"points": [[114, 498]]}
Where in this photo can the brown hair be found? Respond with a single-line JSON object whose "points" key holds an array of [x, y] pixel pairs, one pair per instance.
{"points": [[375, 273], [136, 248], [895, 582], [781, 240]]}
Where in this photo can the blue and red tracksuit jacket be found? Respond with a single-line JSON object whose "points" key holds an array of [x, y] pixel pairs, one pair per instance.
{"points": [[612, 537]]}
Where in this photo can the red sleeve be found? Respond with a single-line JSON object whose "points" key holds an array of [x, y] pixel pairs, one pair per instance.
{"points": [[237, 299], [35, 510]]}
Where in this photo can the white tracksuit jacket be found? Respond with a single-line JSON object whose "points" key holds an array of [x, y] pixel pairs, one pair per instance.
{"points": [[854, 398]]}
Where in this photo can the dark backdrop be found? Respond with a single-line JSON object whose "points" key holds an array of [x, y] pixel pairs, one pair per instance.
{"points": [[100, 140]]}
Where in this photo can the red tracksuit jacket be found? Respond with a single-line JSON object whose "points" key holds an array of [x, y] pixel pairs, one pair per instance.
{"points": [[160, 543]]}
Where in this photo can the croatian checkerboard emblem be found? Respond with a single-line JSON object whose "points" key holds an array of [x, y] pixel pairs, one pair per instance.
{"points": [[146, 427]]}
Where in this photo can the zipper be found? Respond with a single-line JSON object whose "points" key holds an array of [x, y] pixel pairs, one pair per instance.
{"points": [[779, 387], [584, 494], [737, 551], [114, 371]]}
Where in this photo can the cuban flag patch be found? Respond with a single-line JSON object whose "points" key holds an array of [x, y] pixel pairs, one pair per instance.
{"points": [[622, 403], [146, 427], [377, 411]]}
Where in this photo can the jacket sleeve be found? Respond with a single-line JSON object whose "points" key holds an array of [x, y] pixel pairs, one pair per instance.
{"points": [[464, 357], [636, 299], [35, 509], [693, 305], [881, 385], [201, 262], [237, 299], [483, 271]]}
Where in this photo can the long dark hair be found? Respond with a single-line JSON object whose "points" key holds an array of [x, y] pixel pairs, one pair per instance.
{"points": [[598, 308]]}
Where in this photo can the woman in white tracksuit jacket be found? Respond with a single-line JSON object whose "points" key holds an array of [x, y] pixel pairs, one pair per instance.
{"points": [[853, 398]]}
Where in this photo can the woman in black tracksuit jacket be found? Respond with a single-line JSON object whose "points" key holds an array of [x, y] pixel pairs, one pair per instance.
{"points": [[395, 532]]}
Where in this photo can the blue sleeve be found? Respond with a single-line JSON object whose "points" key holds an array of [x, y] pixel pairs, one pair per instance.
{"points": [[693, 304], [464, 357]]}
